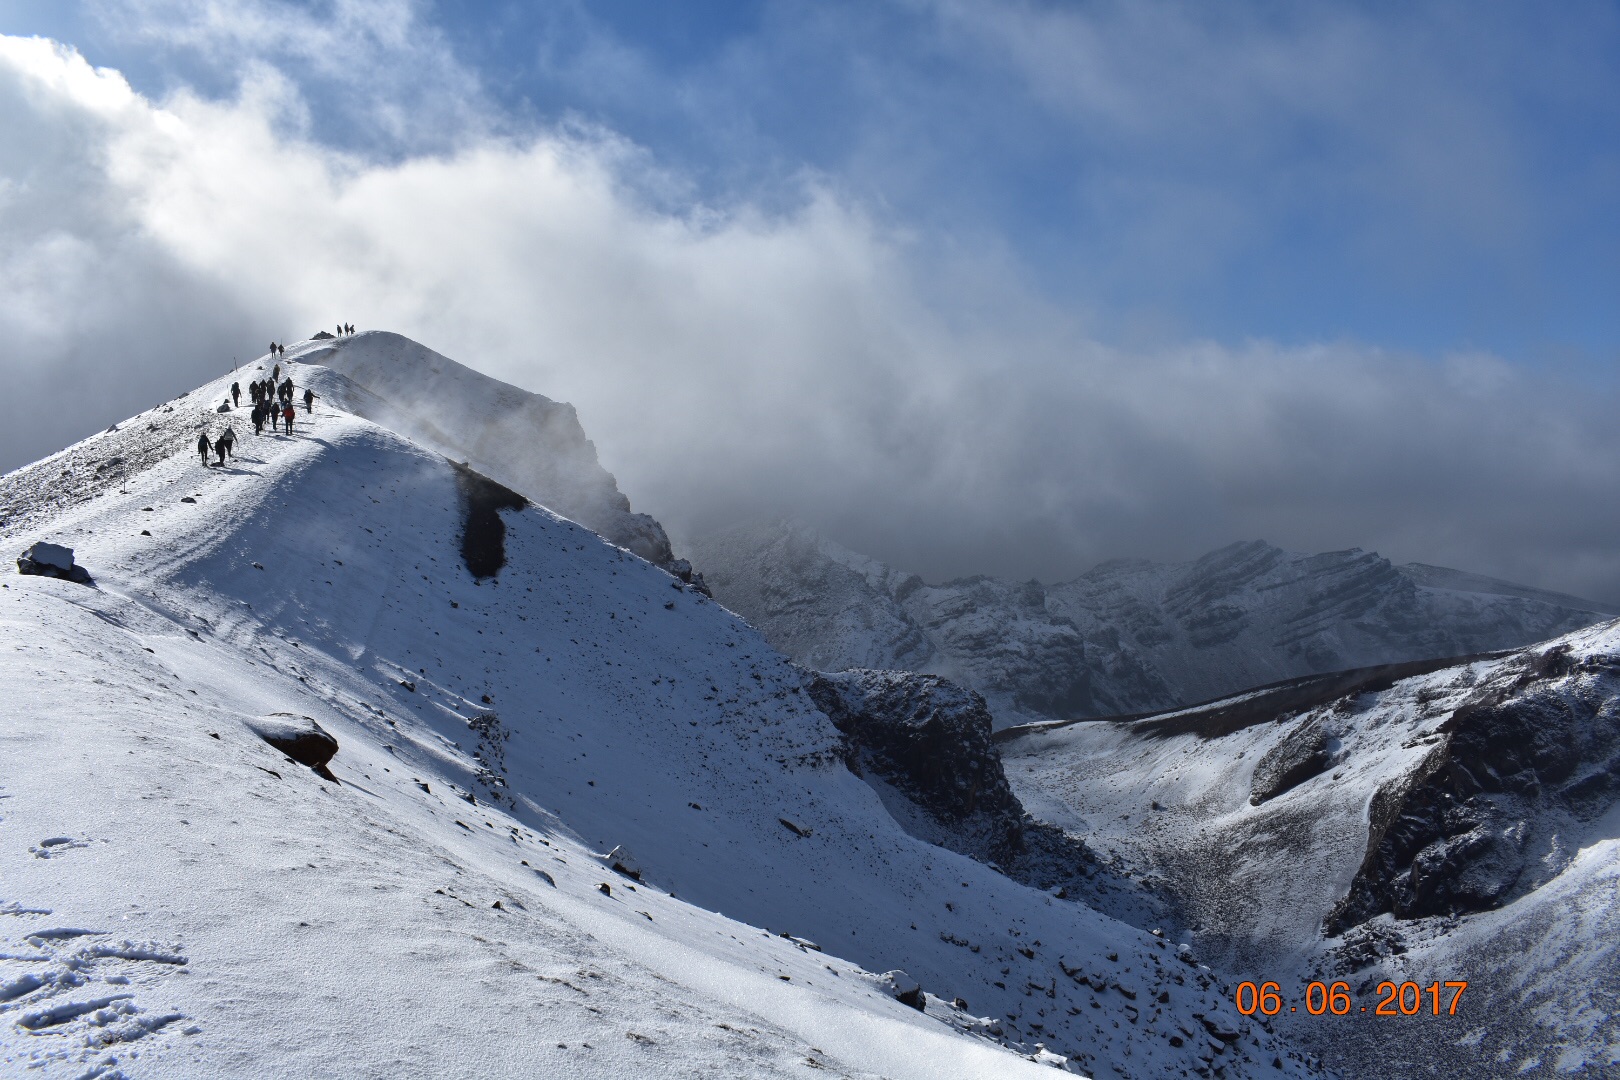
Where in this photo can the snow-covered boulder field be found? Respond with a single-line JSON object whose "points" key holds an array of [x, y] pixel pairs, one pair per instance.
{"points": [[1457, 825], [179, 898]]}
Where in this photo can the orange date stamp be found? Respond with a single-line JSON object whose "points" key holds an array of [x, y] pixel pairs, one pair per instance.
{"points": [[1321, 999]]}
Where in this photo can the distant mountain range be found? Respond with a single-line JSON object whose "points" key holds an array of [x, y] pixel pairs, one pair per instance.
{"points": [[1129, 636]]}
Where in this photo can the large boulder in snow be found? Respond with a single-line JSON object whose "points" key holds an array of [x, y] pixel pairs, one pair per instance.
{"points": [[299, 737], [52, 560], [903, 988]]}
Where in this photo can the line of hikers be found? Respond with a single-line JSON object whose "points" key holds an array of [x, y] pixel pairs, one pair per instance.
{"points": [[272, 400]]}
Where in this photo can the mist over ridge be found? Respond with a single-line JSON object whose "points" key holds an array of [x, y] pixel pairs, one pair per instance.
{"points": [[915, 394]]}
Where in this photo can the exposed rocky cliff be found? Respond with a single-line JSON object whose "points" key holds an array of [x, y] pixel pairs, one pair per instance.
{"points": [[925, 746], [1532, 756], [1128, 636]]}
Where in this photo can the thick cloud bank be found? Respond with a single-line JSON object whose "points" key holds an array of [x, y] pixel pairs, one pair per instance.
{"points": [[904, 397]]}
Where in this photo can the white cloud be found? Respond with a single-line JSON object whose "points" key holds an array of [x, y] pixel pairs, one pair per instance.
{"points": [[383, 69], [727, 360]]}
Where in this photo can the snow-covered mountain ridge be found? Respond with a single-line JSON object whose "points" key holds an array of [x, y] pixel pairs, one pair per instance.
{"points": [[528, 442], [1128, 636], [1458, 825], [177, 898]]}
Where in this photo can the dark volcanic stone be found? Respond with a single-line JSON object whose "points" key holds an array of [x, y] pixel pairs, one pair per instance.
{"points": [[931, 740], [52, 560], [299, 737]]}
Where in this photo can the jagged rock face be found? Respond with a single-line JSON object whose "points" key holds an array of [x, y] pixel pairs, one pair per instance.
{"points": [[1304, 753], [1473, 825], [1129, 636], [926, 746], [930, 740]]}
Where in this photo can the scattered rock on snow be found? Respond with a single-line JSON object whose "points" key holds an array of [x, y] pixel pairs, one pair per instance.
{"points": [[299, 737], [622, 862]]}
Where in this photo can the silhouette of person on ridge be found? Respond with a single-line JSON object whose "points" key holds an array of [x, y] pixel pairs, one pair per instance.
{"points": [[203, 447]]}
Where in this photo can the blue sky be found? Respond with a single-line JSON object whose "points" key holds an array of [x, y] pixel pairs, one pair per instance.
{"points": [[1003, 286], [1423, 177]]}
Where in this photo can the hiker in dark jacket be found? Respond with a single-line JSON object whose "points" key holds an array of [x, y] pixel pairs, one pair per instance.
{"points": [[258, 419], [309, 400], [226, 444], [287, 390], [236, 393], [203, 447]]}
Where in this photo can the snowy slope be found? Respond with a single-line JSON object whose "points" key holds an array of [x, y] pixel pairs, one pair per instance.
{"points": [[1128, 636], [1463, 824], [178, 899]]}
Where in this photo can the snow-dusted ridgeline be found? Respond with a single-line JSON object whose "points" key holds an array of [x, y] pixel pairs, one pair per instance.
{"points": [[178, 899], [528, 442], [1128, 636]]}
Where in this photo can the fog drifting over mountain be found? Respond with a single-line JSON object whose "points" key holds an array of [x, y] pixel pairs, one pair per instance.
{"points": [[909, 396]]}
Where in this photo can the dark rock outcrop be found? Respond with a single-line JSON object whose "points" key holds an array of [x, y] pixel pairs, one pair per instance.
{"points": [[924, 745], [483, 533], [299, 737], [52, 560], [930, 740], [1302, 754], [1469, 828]]}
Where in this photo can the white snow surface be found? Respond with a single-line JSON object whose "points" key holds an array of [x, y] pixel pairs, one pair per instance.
{"points": [[178, 899]]}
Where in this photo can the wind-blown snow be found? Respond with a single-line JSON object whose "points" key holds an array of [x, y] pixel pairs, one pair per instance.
{"points": [[528, 442], [177, 898]]}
